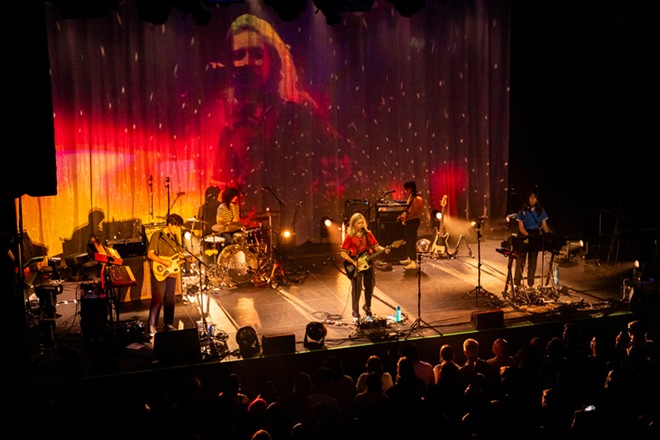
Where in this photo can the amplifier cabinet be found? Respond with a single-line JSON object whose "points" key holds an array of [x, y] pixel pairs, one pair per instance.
{"points": [[352, 206], [387, 233], [388, 212], [130, 247]]}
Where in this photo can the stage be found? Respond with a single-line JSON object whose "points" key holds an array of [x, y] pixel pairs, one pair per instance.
{"points": [[446, 296]]}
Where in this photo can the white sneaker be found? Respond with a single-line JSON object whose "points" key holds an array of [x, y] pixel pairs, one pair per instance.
{"points": [[405, 262], [410, 266], [369, 318], [356, 319]]}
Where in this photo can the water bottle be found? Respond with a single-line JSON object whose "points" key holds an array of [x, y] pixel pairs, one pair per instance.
{"points": [[397, 317], [556, 275]]}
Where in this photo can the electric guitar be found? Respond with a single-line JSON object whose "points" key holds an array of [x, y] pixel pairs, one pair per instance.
{"points": [[439, 244], [162, 271], [364, 260]]}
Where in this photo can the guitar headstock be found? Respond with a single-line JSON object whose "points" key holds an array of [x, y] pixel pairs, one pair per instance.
{"points": [[443, 202], [398, 243]]}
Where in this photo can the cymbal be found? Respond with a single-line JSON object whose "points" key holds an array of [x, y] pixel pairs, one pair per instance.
{"points": [[194, 224], [259, 216], [227, 227]]}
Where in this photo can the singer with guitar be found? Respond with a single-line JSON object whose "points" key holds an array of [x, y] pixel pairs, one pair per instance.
{"points": [[532, 224], [410, 219], [164, 250], [360, 241]]}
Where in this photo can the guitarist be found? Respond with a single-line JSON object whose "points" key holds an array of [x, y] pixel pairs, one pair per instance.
{"points": [[164, 247], [360, 241], [411, 218]]}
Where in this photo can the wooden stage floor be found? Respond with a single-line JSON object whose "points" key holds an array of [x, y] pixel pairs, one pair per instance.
{"points": [[437, 300]]}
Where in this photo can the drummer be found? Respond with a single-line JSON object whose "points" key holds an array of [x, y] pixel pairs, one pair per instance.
{"points": [[228, 217]]}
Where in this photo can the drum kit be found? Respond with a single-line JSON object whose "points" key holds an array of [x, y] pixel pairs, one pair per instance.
{"points": [[247, 258]]}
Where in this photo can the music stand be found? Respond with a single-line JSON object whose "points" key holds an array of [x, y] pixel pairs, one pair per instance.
{"points": [[478, 290], [419, 322]]}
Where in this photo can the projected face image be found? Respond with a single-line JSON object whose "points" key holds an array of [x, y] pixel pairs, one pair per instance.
{"points": [[251, 59]]}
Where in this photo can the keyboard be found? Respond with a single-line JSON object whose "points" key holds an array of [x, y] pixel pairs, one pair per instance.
{"points": [[121, 276]]}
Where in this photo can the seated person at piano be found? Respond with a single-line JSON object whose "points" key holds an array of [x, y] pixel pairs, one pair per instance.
{"points": [[532, 223]]}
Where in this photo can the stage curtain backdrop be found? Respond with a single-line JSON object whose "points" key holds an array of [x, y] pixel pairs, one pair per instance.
{"points": [[134, 103]]}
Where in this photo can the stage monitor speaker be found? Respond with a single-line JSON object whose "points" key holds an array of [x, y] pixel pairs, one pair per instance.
{"points": [[278, 344], [387, 233], [177, 346], [488, 320], [93, 318]]}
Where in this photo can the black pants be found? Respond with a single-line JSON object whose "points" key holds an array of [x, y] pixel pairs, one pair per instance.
{"points": [[528, 255], [410, 236], [366, 279], [162, 296]]}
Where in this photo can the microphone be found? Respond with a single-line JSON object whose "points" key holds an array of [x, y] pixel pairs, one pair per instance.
{"points": [[300, 203], [391, 191], [180, 193]]}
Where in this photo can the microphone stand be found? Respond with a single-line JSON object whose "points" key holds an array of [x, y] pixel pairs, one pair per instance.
{"points": [[419, 322], [279, 202], [151, 194], [478, 290], [167, 186], [272, 264]]}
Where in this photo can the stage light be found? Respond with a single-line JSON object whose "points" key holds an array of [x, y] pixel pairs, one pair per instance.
{"points": [[332, 9], [248, 342], [325, 224], [408, 8], [154, 11], [315, 334], [286, 234], [573, 247], [287, 10]]}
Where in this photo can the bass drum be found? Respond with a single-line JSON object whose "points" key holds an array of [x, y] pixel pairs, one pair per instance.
{"points": [[238, 263]]}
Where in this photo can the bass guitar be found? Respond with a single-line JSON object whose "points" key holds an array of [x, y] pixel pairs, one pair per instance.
{"points": [[439, 245], [161, 271], [364, 260]]}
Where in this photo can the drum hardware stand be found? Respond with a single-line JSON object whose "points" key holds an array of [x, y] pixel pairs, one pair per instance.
{"points": [[478, 290], [419, 323]]}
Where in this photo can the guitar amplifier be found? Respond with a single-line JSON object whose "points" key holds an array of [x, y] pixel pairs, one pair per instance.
{"points": [[148, 229], [351, 206], [132, 247]]}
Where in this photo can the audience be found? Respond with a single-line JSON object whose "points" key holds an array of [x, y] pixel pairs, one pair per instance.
{"points": [[571, 387], [374, 365]]}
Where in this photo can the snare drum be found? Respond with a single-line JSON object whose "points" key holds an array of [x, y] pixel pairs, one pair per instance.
{"points": [[214, 239], [238, 238]]}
